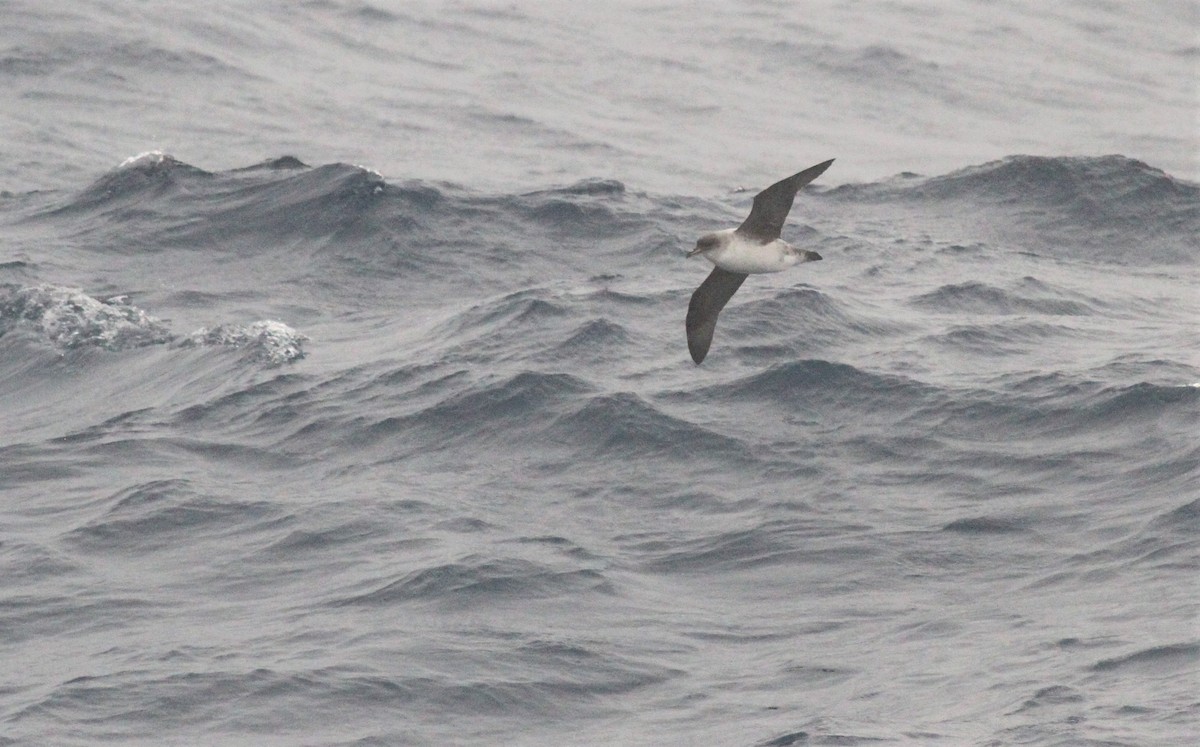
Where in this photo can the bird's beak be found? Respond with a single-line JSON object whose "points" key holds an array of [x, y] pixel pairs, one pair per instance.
{"points": [[694, 252], [811, 256]]}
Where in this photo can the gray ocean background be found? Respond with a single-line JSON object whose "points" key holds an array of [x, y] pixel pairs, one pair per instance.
{"points": [[345, 399]]}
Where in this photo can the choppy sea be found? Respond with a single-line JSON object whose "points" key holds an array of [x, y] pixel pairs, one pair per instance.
{"points": [[345, 397]]}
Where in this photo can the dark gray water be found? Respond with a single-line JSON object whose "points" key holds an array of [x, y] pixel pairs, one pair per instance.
{"points": [[296, 452]]}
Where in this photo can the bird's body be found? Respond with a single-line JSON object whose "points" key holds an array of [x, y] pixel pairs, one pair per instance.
{"points": [[752, 248], [737, 253]]}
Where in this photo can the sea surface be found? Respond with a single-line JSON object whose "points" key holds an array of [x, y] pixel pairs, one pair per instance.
{"points": [[345, 397]]}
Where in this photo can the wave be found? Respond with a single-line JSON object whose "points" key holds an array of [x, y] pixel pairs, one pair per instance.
{"points": [[483, 581], [1066, 408], [174, 687], [532, 306], [592, 206], [624, 425], [982, 298], [271, 342], [984, 525], [554, 417], [173, 204], [820, 383], [125, 192], [1085, 185], [1171, 657], [1184, 519], [68, 318], [343, 221], [549, 325], [504, 413], [1023, 410], [1143, 400], [806, 318], [319, 202], [1004, 339], [1104, 208], [358, 224], [156, 515], [339, 221], [593, 339]]}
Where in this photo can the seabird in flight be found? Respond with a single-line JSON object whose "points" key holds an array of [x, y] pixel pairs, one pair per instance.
{"points": [[752, 247]]}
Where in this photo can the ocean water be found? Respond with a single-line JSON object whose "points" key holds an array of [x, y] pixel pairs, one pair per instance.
{"points": [[345, 398]]}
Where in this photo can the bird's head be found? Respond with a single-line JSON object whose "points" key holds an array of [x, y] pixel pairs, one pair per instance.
{"points": [[705, 244], [804, 255]]}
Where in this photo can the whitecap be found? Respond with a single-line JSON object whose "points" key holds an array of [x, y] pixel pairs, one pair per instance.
{"points": [[150, 158], [272, 342], [70, 318]]}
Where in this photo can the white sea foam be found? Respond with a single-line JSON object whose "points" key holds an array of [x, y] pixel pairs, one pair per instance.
{"points": [[70, 318], [149, 158], [272, 342]]}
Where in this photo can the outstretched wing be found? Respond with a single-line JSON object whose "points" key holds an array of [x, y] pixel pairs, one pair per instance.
{"points": [[771, 206], [706, 304]]}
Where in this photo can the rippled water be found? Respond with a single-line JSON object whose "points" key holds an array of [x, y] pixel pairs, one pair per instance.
{"points": [[315, 454]]}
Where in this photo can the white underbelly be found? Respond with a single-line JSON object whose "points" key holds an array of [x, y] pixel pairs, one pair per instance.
{"points": [[751, 257]]}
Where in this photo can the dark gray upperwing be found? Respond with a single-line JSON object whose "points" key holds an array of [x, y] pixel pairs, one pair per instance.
{"points": [[771, 206], [706, 304]]}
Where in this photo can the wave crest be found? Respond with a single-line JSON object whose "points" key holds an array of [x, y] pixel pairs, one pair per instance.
{"points": [[268, 341], [70, 318], [1108, 208]]}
